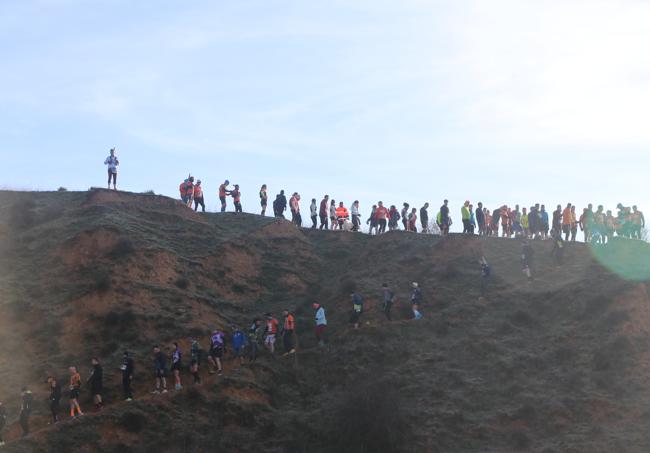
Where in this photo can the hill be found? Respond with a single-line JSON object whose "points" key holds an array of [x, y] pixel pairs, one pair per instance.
{"points": [[559, 364]]}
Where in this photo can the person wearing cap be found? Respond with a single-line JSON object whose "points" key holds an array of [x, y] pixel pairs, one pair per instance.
{"points": [[321, 323], [112, 162], [223, 193], [416, 300], [198, 196]]}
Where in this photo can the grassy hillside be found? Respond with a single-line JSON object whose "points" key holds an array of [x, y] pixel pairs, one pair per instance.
{"points": [[559, 364]]}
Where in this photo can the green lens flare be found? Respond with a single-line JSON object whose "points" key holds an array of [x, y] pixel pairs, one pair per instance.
{"points": [[627, 258]]}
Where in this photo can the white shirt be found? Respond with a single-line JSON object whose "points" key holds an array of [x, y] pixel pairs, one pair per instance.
{"points": [[320, 317], [313, 209], [112, 163]]}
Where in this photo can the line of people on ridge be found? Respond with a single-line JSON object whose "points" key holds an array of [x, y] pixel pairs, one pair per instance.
{"points": [[245, 346]]}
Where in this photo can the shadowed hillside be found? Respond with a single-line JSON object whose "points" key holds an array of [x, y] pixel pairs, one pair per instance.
{"points": [[560, 364]]}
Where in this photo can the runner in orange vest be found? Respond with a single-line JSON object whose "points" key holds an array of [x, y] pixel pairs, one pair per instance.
{"points": [[341, 215], [198, 196], [236, 198], [567, 219], [223, 193]]}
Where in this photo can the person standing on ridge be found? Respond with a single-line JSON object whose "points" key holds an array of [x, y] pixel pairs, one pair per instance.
{"points": [[574, 224], [388, 297], [186, 190], [195, 360], [223, 193], [393, 218], [112, 162], [288, 331], [270, 332], [356, 216], [527, 259], [217, 347], [239, 342], [254, 338], [264, 199], [127, 368], [416, 300], [198, 197], [464, 214], [321, 323], [3, 422], [413, 220], [322, 212], [405, 215], [381, 214], [341, 215], [357, 309], [524, 223], [544, 227], [566, 221], [313, 212], [333, 221], [25, 409], [177, 357], [480, 219], [75, 385], [294, 205], [280, 205], [638, 221], [444, 218], [486, 271], [424, 218], [54, 398], [372, 221], [556, 225], [236, 198], [96, 381], [160, 370]]}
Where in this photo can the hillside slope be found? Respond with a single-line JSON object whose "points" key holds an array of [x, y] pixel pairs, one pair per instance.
{"points": [[559, 364]]}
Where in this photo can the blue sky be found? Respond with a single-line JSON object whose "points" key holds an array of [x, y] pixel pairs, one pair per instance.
{"points": [[412, 100]]}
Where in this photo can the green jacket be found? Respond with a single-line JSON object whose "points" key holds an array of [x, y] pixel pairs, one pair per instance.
{"points": [[464, 212]]}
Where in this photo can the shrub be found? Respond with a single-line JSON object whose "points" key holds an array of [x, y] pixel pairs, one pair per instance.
{"points": [[61, 189], [123, 248]]}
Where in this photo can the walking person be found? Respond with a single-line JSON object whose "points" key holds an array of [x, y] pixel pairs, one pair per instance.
{"points": [[313, 211], [424, 218], [413, 220], [480, 219], [405, 214], [574, 224], [280, 205], [388, 297], [485, 276], [186, 189], [3, 422], [332, 213], [381, 215], [527, 259], [112, 162], [472, 219], [341, 215], [416, 300], [177, 356], [544, 227], [294, 204], [54, 398], [270, 332], [160, 370], [356, 216], [198, 197], [223, 193], [444, 218], [323, 213], [321, 323], [464, 214], [264, 199], [236, 198], [357, 309], [96, 382], [557, 253], [127, 368], [254, 338], [638, 221], [393, 218], [195, 360], [75, 385], [217, 348], [372, 221], [288, 331], [566, 221], [239, 342], [25, 409]]}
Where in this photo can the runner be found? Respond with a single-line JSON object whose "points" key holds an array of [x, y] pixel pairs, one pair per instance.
{"points": [[388, 297], [177, 356], [638, 221], [270, 332], [198, 197], [160, 370], [464, 214], [381, 214], [357, 309], [25, 409], [424, 218], [55, 398], [486, 271], [217, 347], [444, 218], [186, 190], [322, 212], [96, 381], [236, 198], [75, 385], [321, 323], [341, 215], [405, 216], [195, 360], [3, 422], [288, 331], [254, 338], [372, 221], [480, 219], [416, 300], [356, 216], [280, 205], [294, 205], [393, 218], [313, 211], [413, 220], [112, 162], [223, 193], [527, 260], [264, 199], [127, 370], [332, 213], [239, 343]]}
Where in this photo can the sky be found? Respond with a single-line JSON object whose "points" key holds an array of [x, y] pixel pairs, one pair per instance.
{"points": [[406, 100]]}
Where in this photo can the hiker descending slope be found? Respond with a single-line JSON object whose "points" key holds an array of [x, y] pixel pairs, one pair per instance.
{"points": [[160, 370], [357, 309], [388, 298], [112, 162], [527, 258], [254, 338], [486, 271], [25, 409], [239, 342], [270, 332], [127, 370], [96, 380], [288, 330], [195, 360], [416, 300], [75, 385], [177, 356], [54, 398], [217, 348], [321, 323]]}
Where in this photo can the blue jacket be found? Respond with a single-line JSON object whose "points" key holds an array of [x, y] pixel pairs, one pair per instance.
{"points": [[239, 339]]}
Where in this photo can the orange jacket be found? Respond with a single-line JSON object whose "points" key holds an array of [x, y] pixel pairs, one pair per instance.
{"points": [[381, 213], [222, 190], [567, 216], [289, 322], [198, 192], [342, 212]]}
